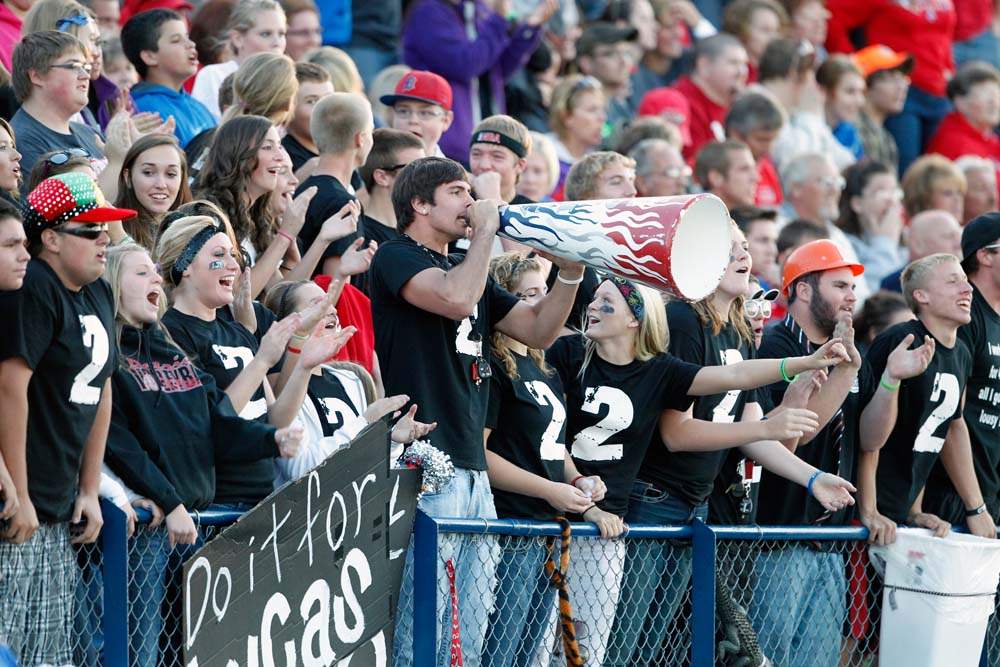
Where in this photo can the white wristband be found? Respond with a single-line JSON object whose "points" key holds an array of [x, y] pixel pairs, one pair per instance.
{"points": [[560, 278]]}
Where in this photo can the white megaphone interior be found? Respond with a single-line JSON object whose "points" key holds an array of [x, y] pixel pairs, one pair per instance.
{"points": [[699, 253]]}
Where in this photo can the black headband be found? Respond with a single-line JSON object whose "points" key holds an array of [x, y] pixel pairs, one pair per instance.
{"points": [[191, 251], [499, 139]]}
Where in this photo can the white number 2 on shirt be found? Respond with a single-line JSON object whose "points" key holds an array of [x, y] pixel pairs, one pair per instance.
{"points": [[240, 357], [587, 444], [551, 449], [947, 384], [96, 339], [463, 337], [723, 412]]}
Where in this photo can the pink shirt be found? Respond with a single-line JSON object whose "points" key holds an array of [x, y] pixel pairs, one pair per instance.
{"points": [[10, 34]]}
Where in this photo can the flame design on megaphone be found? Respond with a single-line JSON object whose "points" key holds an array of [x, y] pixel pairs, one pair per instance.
{"points": [[679, 245]]}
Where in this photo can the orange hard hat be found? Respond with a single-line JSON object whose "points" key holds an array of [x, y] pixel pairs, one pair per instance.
{"points": [[821, 255]]}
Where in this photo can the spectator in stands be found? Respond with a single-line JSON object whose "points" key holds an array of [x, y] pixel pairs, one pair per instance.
{"points": [[475, 51], [934, 182], [153, 182], [756, 120], [667, 104], [342, 70], [887, 77], [117, 66], [304, 30], [897, 458], [314, 85], [11, 18], [159, 392], [808, 22], [70, 17], [660, 169], [606, 52], [796, 233], [882, 310], [577, 119], [255, 26], [844, 88], [601, 175], [980, 240], [648, 127], [51, 77], [871, 215], [756, 23], [10, 164], [727, 170], [56, 361], [924, 32], [208, 32], [421, 104], [497, 157], [384, 83], [971, 128], [391, 151], [787, 72], [14, 258], [529, 91], [719, 75], [760, 227], [930, 232], [541, 173], [670, 59], [157, 44], [107, 13], [422, 298], [981, 186], [342, 127]]}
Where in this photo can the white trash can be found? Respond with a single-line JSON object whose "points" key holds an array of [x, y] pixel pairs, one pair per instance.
{"points": [[938, 598]]}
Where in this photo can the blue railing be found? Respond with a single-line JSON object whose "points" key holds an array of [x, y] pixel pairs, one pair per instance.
{"points": [[702, 537]]}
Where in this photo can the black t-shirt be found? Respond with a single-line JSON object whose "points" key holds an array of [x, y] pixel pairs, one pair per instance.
{"points": [[65, 337], [690, 475], [612, 411], [429, 357], [780, 501], [926, 406], [528, 421], [330, 197], [333, 403], [584, 295], [299, 153], [223, 349], [982, 396], [370, 230]]}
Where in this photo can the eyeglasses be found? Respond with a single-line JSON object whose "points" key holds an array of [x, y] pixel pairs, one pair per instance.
{"points": [[81, 69], [621, 53], [60, 158], [90, 232], [678, 172], [305, 32], [422, 114], [836, 183], [757, 308]]}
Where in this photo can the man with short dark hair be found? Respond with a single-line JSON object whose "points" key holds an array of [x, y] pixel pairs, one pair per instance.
{"points": [[756, 119], [605, 52], [51, 79], [760, 227], [56, 360], [436, 316], [720, 74], [727, 170]]}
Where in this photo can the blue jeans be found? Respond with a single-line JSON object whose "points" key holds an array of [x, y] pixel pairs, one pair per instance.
{"points": [[523, 604], [153, 565], [655, 580], [913, 126], [475, 558], [799, 606]]}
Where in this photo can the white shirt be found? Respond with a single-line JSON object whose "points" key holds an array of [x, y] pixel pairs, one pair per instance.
{"points": [[209, 81]]}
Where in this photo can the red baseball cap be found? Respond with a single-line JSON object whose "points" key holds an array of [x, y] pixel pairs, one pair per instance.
{"points": [[423, 87], [668, 100], [132, 7]]}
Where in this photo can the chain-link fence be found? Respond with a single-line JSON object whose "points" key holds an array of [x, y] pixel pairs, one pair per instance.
{"points": [[660, 596]]}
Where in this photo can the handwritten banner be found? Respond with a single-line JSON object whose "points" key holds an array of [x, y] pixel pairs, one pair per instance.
{"points": [[311, 575]]}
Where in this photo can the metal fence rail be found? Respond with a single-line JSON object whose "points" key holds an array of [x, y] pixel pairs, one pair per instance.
{"points": [[659, 596]]}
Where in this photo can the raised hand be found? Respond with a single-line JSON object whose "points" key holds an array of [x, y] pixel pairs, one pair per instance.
{"points": [[320, 349], [484, 217], [295, 213], [342, 223], [273, 345], [487, 186], [408, 429], [844, 330], [543, 12], [311, 317], [384, 406], [289, 441], [831, 353], [798, 393], [833, 492], [904, 363], [791, 423], [357, 258]]}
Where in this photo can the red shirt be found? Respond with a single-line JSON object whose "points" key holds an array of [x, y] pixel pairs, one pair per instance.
{"points": [[924, 29], [768, 193], [704, 112], [955, 137], [354, 309], [973, 18]]}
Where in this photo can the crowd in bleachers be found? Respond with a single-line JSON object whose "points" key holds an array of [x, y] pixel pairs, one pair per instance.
{"points": [[233, 233]]}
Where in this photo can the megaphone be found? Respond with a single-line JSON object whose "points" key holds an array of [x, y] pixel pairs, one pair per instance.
{"points": [[679, 245]]}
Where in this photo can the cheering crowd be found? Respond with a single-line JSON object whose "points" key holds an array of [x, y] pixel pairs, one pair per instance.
{"points": [[226, 248]]}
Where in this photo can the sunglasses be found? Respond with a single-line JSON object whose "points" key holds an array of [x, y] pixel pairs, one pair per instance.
{"points": [[90, 232], [62, 157], [757, 308]]}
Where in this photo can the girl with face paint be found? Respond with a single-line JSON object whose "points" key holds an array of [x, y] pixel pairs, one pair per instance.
{"points": [[618, 380]]}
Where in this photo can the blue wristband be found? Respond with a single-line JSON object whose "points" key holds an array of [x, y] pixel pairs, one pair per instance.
{"points": [[809, 484]]}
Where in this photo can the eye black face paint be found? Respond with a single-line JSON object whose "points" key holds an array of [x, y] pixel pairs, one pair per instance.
{"points": [[607, 309], [216, 264]]}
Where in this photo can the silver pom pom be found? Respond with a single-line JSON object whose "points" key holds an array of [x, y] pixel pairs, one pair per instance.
{"points": [[436, 465]]}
